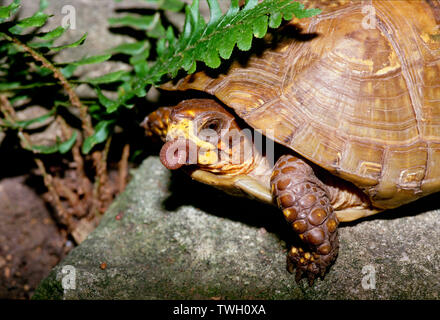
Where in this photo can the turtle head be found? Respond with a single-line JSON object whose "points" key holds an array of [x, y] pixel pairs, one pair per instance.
{"points": [[202, 136], [201, 132]]}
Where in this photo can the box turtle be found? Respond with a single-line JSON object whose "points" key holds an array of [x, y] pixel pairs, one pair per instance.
{"points": [[351, 98]]}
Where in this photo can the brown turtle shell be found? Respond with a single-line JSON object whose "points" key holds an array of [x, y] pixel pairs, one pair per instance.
{"points": [[358, 96]]}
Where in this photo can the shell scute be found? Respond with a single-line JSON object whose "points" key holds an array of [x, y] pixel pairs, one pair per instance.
{"points": [[363, 103]]}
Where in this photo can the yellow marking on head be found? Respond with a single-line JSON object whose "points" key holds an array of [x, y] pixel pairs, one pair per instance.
{"points": [[208, 157], [190, 113], [185, 129]]}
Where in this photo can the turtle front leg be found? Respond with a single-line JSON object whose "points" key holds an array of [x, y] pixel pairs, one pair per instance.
{"points": [[305, 203], [156, 123]]}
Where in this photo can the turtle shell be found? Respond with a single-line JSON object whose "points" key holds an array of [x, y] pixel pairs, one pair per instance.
{"points": [[355, 90]]}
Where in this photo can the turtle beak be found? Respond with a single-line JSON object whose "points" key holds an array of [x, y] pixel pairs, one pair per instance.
{"points": [[177, 153], [183, 147], [178, 150]]}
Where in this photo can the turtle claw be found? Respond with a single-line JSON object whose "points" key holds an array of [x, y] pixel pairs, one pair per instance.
{"points": [[298, 275], [306, 264], [311, 279]]}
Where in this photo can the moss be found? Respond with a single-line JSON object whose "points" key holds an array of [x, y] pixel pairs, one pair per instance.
{"points": [[49, 289]]}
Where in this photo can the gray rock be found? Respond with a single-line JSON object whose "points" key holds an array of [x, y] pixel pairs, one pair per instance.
{"points": [[167, 237]]}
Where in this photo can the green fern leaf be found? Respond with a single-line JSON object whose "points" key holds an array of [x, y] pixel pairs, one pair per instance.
{"points": [[102, 131], [71, 45], [91, 60], [132, 49], [52, 35], [37, 20], [136, 22], [169, 5], [209, 42], [7, 11], [107, 78], [62, 147]]}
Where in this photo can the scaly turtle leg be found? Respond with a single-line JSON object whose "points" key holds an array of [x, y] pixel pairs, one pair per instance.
{"points": [[156, 124], [305, 203]]}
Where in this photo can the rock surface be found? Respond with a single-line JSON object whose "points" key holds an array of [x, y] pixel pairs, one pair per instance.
{"points": [[167, 237]]}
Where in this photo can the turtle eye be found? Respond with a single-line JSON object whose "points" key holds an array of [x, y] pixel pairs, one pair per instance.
{"points": [[213, 124]]}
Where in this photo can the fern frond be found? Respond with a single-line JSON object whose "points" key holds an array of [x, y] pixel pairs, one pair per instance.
{"points": [[169, 5], [27, 68], [209, 42]]}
